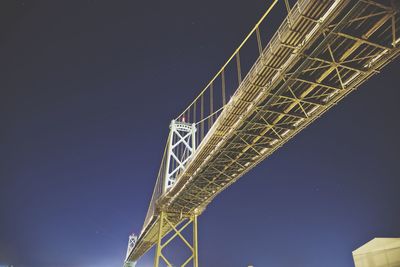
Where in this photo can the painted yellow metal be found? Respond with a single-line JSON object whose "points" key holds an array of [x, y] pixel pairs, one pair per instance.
{"points": [[329, 49], [176, 231], [158, 249], [195, 242]]}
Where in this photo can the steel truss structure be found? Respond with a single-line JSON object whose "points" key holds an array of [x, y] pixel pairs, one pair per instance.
{"points": [[177, 229], [322, 51], [131, 244], [181, 146]]}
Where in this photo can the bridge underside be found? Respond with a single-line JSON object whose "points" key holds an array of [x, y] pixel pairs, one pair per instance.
{"points": [[322, 51]]}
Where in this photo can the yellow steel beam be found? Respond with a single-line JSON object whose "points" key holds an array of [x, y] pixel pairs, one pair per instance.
{"points": [[177, 229]]}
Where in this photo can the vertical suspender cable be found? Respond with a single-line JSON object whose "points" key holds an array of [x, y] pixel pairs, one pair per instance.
{"points": [[288, 11], [202, 116], [393, 28], [194, 112], [211, 118], [194, 121], [223, 88], [258, 35], [239, 70]]}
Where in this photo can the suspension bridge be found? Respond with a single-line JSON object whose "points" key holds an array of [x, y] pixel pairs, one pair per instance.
{"points": [[268, 91]]}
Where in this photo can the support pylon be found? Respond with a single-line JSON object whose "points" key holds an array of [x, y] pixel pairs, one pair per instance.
{"points": [[165, 221], [181, 148], [131, 244]]}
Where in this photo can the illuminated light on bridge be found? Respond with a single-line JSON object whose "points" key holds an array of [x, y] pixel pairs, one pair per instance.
{"points": [[322, 51]]}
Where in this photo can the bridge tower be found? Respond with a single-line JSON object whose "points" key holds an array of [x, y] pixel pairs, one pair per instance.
{"points": [[181, 146], [131, 244]]}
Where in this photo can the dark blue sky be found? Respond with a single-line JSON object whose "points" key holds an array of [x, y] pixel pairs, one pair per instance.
{"points": [[87, 92]]}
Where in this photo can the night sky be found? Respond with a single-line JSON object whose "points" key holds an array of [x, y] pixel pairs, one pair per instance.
{"points": [[88, 89]]}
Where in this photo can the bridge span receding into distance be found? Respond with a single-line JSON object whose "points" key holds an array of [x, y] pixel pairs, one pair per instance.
{"points": [[321, 52]]}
